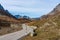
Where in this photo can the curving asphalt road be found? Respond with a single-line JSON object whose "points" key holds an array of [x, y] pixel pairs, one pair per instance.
{"points": [[16, 35]]}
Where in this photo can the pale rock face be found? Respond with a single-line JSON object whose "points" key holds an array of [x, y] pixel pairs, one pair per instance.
{"points": [[57, 8], [51, 13]]}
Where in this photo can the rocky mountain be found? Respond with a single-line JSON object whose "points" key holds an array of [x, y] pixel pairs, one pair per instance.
{"points": [[1, 8], [9, 14], [18, 16], [56, 9], [23, 19], [5, 12], [48, 26], [6, 16], [54, 12]]}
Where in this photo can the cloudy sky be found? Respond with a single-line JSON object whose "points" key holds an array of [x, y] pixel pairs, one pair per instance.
{"points": [[31, 8]]}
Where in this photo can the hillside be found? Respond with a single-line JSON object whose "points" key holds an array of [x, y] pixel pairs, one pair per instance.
{"points": [[6, 16], [6, 22], [23, 19], [48, 26], [10, 23]]}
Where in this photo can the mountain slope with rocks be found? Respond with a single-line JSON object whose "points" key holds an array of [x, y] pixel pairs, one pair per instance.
{"points": [[48, 26]]}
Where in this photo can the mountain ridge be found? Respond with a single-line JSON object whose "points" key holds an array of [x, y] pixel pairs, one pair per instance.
{"points": [[48, 26]]}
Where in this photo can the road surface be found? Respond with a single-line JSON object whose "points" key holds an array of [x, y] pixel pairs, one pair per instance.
{"points": [[16, 35]]}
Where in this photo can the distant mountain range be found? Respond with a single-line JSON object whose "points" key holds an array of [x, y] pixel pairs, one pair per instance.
{"points": [[7, 16], [19, 16]]}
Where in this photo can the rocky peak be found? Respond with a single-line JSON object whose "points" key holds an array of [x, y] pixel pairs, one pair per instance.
{"points": [[57, 7], [55, 10], [18, 16], [1, 7]]}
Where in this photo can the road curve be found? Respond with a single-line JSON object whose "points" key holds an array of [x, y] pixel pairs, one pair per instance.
{"points": [[16, 35]]}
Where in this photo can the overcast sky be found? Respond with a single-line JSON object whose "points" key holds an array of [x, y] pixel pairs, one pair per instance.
{"points": [[31, 8]]}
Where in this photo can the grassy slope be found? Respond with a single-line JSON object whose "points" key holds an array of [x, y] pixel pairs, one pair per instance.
{"points": [[47, 32]]}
